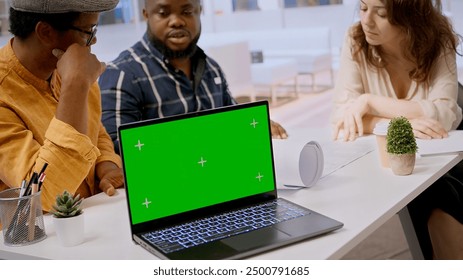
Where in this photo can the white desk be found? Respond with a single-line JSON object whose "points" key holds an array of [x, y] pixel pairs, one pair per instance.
{"points": [[362, 195]]}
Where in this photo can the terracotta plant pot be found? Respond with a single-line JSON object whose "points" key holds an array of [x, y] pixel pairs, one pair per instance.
{"points": [[402, 164]]}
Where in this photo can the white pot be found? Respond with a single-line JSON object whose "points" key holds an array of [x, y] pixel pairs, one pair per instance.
{"points": [[70, 231]]}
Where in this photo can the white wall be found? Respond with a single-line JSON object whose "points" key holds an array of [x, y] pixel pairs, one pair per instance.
{"points": [[249, 20], [337, 17]]}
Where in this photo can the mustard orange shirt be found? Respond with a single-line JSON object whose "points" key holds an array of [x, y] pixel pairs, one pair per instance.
{"points": [[30, 135]]}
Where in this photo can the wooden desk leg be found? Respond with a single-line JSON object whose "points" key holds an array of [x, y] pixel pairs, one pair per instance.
{"points": [[410, 234]]}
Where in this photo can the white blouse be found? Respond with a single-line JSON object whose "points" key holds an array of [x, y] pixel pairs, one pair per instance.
{"points": [[438, 101]]}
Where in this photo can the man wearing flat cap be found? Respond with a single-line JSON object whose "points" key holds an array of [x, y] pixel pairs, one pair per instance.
{"points": [[50, 107]]}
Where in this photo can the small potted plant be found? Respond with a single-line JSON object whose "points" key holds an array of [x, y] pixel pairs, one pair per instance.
{"points": [[401, 146], [68, 219]]}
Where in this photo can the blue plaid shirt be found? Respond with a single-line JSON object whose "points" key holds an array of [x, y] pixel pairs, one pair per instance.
{"points": [[140, 84]]}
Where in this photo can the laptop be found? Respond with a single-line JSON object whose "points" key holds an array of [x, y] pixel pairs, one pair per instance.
{"points": [[202, 186]]}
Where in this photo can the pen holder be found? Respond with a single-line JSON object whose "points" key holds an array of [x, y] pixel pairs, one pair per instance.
{"points": [[21, 218]]}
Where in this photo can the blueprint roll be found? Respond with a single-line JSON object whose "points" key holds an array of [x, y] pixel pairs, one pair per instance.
{"points": [[297, 164]]}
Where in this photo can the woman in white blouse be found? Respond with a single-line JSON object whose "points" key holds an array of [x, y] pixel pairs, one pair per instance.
{"points": [[400, 60]]}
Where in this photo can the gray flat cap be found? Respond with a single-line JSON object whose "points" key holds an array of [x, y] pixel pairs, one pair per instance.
{"points": [[63, 6]]}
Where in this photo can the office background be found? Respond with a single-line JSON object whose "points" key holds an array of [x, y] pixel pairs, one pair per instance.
{"points": [[234, 15], [229, 15], [225, 16], [222, 16]]}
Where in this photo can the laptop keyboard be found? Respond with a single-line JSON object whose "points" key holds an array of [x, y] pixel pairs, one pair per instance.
{"points": [[222, 226]]}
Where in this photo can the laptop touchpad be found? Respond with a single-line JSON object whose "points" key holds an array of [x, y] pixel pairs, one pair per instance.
{"points": [[255, 239]]}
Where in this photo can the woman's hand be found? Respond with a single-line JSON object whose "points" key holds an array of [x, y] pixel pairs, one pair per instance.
{"points": [[352, 122], [427, 128]]}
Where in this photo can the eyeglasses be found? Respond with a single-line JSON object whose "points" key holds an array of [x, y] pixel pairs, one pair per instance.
{"points": [[91, 33]]}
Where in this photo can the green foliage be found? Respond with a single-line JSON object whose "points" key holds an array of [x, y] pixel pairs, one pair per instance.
{"points": [[67, 205], [400, 138]]}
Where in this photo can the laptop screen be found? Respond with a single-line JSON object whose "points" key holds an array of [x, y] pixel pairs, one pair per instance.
{"points": [[187, 162]]}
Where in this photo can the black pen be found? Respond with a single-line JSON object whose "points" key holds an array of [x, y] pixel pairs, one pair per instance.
{"points": [[29, 186], [43, 168], [41, 178], [10, 231]]}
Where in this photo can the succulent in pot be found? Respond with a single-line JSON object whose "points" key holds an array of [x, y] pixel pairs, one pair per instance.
{"points": [[401, 146], [67, 205], [68, 219]]}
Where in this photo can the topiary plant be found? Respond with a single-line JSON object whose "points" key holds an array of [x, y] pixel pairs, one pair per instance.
{"points": [[67, 205], [400, 138]]}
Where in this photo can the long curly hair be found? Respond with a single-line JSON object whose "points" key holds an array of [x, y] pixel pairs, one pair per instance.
{"points": [[428, 34]]}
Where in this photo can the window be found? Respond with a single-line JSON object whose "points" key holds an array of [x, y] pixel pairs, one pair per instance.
{"points": [[307, 3], [245, 5]]}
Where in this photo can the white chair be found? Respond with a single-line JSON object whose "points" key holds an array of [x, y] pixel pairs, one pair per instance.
{"points": [[309, 63], [274, 73], [310, 47], [235, 60]]}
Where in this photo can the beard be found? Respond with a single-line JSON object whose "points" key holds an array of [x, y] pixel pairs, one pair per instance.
{"points": [[173, 54]]}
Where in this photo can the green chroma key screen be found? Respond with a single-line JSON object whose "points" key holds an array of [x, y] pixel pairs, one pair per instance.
{"points": [[185, 164]]}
